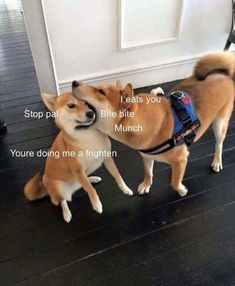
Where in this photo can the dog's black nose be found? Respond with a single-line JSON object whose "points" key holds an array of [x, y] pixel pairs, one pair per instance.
{"points": [[75, 84], [90, 114]]}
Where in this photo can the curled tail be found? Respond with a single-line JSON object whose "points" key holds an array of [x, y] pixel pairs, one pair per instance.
{"points": [[221, 62], [34, 189]]}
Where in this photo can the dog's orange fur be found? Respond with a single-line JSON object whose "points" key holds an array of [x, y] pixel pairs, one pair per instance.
{"points": [[66, 174], [212, 94]]}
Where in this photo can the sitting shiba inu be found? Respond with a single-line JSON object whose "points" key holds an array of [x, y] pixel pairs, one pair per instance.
{"points": [[210, 90], [67, 173]]}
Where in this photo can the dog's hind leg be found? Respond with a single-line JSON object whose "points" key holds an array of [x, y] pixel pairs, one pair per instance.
{"points": [[220, 126], [59, 193], [144, 187], [178, 166]]}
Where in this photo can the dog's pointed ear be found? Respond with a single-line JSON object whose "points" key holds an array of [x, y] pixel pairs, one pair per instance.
{"points": [[118, 84], [127, 94], [49, 100]]}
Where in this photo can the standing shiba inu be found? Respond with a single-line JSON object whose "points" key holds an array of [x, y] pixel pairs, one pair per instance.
{"points": [[212, 92], [68, 172]]}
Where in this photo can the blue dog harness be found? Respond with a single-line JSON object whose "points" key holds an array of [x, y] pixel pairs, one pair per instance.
{"points": [[186, 123]]}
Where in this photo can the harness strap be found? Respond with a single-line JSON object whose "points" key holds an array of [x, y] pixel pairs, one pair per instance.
{"points": [[185, 135], [179, 107], [165, 146]]}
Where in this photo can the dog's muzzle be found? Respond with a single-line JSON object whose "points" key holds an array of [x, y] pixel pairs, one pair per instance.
{"points": [[88, 123]]}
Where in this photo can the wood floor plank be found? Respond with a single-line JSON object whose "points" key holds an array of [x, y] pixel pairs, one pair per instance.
{"points": [[177, 267], [15, 50], [115, 254], [17, 70], [20, 94], [17, 83], [13, 67], [16, 59], [20, 110], [17, 102], [210, 199], [12, 88], [20, 76]]}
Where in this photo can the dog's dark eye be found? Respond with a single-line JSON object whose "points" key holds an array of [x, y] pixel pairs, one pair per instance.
{"points": [[71, 105], [101, 91]]}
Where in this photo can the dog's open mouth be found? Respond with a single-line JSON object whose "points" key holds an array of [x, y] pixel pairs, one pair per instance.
{"points": [[88, 122], [91, 107]]}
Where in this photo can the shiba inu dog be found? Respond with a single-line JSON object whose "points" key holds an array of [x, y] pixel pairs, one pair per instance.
{"points": [[212, 92], [68, 172]]}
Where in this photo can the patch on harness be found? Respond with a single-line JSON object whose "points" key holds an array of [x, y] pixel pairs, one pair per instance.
{"points": [[186, 123], [185, 117], [186, 135]]}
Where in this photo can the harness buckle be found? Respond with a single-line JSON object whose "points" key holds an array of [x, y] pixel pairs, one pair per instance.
{"points": [[186, 121], [178, 94], [179, 107], [189, 138]]}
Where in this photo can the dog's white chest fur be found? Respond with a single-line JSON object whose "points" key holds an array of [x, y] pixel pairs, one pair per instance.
{"points": [[94, 146]]}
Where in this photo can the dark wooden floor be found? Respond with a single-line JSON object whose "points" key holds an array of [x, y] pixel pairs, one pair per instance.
{"points": [[157, 239]]}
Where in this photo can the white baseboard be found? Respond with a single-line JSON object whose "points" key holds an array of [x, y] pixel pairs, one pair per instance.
{"points": [[140, 76]]}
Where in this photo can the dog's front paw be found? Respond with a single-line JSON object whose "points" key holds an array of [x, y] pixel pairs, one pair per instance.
{"points": [[127, 191], [67, 215], [144, 188], [217, 166], [182, 190], [97, 206], [94, 179]]}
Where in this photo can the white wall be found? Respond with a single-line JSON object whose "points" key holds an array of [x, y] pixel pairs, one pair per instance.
{"points": [[36, 28], [141, 41]]}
